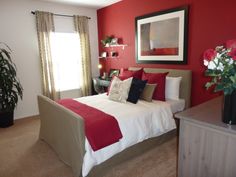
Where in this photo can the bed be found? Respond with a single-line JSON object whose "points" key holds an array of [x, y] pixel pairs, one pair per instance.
{"points": [[63, 130]]}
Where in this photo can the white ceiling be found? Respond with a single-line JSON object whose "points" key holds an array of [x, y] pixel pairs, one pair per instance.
{"points": [[87, 3]]}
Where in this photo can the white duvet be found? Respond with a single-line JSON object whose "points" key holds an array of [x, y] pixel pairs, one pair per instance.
{"points": [[137, 122]]}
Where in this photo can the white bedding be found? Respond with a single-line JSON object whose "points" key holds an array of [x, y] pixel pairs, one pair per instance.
{"points": [[137, 122], [176, 105]]}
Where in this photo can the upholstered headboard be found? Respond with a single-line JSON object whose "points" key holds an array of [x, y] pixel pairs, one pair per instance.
{"points": [[185, 85]]}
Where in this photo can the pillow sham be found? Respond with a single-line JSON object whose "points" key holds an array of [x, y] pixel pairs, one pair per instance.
{"points": [[125, 73], [119, 89], [160, 80], [172, 87], [136, 89], [148, 92]]}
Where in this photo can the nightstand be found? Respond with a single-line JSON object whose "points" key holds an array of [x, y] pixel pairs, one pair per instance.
{"points": [[100, 85], [206, 144]]}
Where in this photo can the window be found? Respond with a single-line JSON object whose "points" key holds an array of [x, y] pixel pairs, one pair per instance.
{"points": [[66, 58], [66, 55]]}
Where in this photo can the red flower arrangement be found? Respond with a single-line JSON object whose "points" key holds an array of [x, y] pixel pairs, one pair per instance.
{"points": [[221, 66]]}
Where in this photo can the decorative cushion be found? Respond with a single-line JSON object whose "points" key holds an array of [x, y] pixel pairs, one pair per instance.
{"points": [[109, 87], [160, 80], [120, 77], [136, 89], [125, 73], [172, 87], [119, 90], [148, 92]]}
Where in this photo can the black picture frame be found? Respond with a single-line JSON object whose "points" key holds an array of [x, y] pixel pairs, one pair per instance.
{"points": [[151, 48]]}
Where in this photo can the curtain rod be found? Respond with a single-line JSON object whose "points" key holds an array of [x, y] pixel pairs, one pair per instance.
{"points": [[62, 15]]}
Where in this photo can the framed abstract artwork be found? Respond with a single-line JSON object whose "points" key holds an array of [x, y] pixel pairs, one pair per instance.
{"points": [[161, 37]]}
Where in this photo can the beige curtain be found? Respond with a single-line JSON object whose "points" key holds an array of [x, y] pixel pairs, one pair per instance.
{"points": [[45, 27], [81, 27]]}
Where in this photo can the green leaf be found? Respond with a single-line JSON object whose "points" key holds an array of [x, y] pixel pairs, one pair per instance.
{"points": [[209, 84], [219, 87], [10, 87]]}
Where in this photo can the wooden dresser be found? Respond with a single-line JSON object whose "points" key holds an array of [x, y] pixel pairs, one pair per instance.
{"points": [[207, 146]]}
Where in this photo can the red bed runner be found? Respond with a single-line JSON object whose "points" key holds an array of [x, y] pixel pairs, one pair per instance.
{"points": [[101, 129]]}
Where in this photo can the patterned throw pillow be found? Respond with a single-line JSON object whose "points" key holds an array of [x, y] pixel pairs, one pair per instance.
{"points": [[125, 74], [119, 90]]}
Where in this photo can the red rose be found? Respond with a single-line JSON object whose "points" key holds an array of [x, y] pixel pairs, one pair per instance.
{"points": [[231, 44], [209, 54], [232, 53]]}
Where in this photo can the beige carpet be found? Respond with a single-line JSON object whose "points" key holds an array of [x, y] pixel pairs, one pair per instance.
{"points": [[23, 155]]}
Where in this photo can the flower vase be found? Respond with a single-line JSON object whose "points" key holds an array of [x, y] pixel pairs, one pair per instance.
{"points": [[229, 108]]}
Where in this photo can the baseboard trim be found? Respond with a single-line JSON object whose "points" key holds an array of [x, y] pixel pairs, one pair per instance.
{"points": [[27, 118]]}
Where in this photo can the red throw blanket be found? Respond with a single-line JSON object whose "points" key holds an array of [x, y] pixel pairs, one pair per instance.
{"points": [[101, 129]]}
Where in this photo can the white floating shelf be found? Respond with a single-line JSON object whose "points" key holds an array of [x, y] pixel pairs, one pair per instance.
{"points": [[108, 57], [118, 45]]}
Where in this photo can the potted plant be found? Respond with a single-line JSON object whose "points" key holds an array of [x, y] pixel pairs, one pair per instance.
{"points": [[106, 41], [10, 87]]}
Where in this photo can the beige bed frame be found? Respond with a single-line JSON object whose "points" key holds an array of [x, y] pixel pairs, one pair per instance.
{"points": [[63, 130]]}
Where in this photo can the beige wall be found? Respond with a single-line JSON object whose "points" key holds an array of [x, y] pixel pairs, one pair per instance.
{"points": [[18, 30]]}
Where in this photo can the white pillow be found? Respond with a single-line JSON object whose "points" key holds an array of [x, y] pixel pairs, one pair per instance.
{"points": [[172, 87], [119, 90]]}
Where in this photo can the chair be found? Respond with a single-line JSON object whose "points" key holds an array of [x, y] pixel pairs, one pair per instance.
{"points": [[97, 87]]}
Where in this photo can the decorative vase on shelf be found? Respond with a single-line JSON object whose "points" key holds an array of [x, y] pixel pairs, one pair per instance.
{"points": [[229, 108]]}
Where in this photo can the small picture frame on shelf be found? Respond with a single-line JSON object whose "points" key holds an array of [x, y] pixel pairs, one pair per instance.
{"points": [[114, 54], [114, 41], [114, 72]]}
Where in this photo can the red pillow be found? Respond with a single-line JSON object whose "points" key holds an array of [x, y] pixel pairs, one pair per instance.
{"points": [[160, 80], [125, 74]]}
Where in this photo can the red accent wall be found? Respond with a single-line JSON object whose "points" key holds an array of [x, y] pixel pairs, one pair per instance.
{"points": [[211, 23]]}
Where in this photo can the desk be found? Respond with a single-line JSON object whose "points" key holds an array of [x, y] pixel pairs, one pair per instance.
{"points": [[100, 85], [207, 146], [103, 82]]}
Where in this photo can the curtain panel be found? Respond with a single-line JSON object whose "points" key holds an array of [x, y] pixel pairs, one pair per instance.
{"points": [[45, 27], [82, 29]]}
